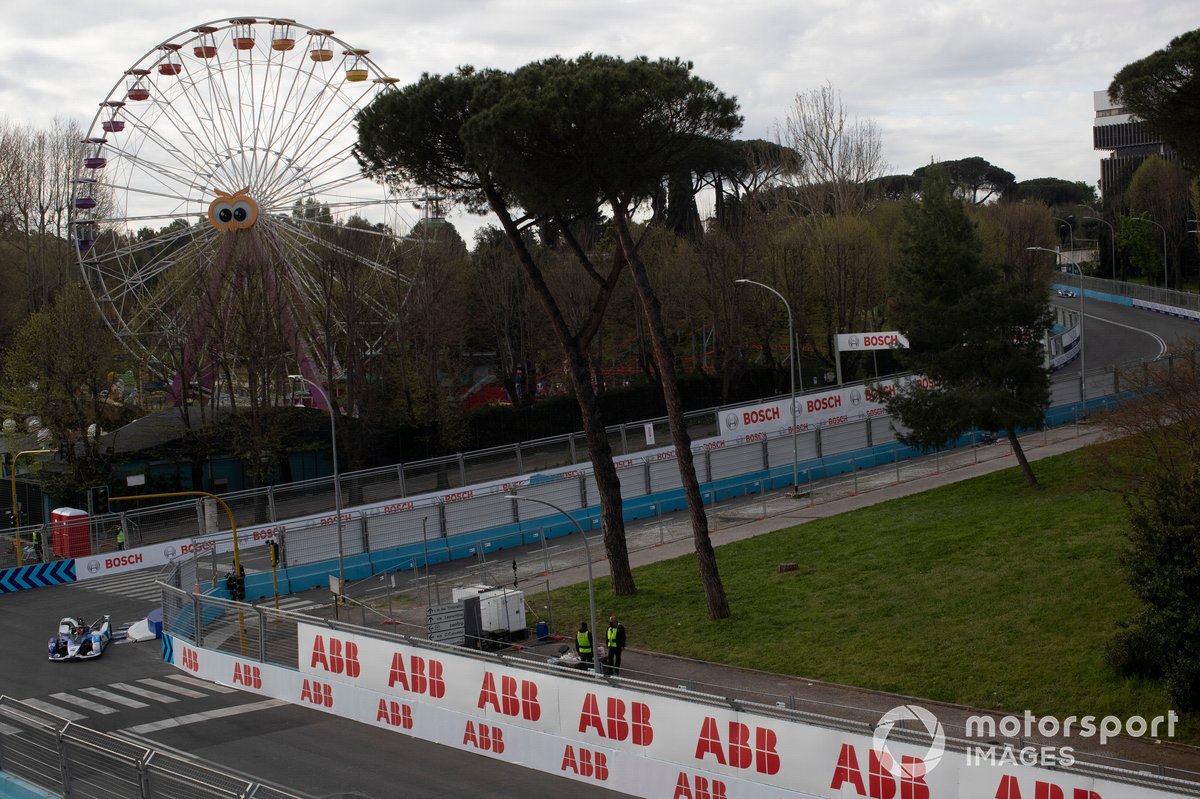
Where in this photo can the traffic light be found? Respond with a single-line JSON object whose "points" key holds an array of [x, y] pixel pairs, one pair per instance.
{"points": [[236, 586], [99, 500], [274, 553]]}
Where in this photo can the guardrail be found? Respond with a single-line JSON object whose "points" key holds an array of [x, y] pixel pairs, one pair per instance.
{"points": [[69, 760]]}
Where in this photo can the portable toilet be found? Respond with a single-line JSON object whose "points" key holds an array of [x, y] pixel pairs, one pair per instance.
{"points": [[70, 533]]}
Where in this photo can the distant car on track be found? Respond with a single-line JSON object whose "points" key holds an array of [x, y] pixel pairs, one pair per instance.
{"points": [[76, 640], [1066, 293]]}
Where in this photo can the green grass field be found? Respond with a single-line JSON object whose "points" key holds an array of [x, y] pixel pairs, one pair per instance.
{"points": [[986, 593]]}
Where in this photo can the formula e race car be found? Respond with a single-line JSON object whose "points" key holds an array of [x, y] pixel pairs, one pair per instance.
{"points": [[76, 640]]}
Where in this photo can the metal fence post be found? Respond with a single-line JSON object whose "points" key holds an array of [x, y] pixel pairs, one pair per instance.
{"points": [[271, 503]]}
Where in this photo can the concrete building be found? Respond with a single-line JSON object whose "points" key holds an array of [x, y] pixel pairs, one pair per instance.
{"points": [[1128, 140]]}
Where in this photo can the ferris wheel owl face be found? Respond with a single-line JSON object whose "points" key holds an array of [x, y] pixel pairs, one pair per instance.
{"points": [[236, 211]]}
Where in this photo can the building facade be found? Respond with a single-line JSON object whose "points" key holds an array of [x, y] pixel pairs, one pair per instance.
{"points": [[1128, 140]]}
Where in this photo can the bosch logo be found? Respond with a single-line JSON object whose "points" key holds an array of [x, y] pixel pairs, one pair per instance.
{"points": [[731, 421], [855, 396], [854, 342], [93, 566], [169, 552]]}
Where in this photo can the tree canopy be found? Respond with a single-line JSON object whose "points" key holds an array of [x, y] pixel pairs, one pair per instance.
{"points": [[1053, 191], [975, 179], [1164, 89], [974, 327]]}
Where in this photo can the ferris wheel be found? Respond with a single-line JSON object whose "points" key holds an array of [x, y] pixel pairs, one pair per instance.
{"points": [[220, 212]]}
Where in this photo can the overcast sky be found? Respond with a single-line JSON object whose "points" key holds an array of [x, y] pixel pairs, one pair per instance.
{"points": [[1008, 80]]}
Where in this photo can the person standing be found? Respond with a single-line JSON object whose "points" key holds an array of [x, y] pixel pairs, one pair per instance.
{"points": [[37, 543], [121, 537], [583, 645], [615, 640]]}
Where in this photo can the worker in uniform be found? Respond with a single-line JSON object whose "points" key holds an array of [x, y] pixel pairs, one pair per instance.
{"points": [[583, 644], [615, 641]]}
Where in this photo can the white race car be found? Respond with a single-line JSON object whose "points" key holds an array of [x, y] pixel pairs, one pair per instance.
{"points": [[77, 640]]}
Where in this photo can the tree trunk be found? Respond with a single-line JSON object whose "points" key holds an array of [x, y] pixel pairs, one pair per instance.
{"points": [[608, 485], [714, 590], [1026, 469], [579, 369]]}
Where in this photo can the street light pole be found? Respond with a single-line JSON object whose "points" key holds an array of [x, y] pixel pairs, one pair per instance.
{"points": [[15, 510], [1082, 362], [792, 369], [1112, 242], [337, 487], [1070, 230], [591, 584]]}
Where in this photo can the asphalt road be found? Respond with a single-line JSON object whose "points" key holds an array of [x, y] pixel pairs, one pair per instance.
{"points": [[131, 690]]}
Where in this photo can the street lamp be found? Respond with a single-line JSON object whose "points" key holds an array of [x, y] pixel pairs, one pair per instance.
{"points": [[1082, 363], [1112, 242], [15, 510], [792, 370], [591, 585], [337, 486], [1070, 230]]}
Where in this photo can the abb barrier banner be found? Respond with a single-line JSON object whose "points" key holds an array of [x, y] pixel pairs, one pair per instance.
{"points": [[858, 342], [634, 742]]}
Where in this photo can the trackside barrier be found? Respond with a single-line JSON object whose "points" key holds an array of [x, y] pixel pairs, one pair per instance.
{"points": [[395, 533], [632, 736], [44, 755]]}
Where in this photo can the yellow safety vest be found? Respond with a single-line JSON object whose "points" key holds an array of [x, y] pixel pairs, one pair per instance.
{"points": [[584, 642], [612, 637]]}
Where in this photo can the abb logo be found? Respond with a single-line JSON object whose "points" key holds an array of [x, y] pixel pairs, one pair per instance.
{"points": [[191, 660], [122, 560], [886, 340], [1010, 788], [698, 787], [484, 738], [336, 657], [317, 693], [614, 725], [247, 674], [397, 714], [880, 782], [421, 677], [507, 700], [585, 763], [763, 415], [738, 753], [823, 403]]}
